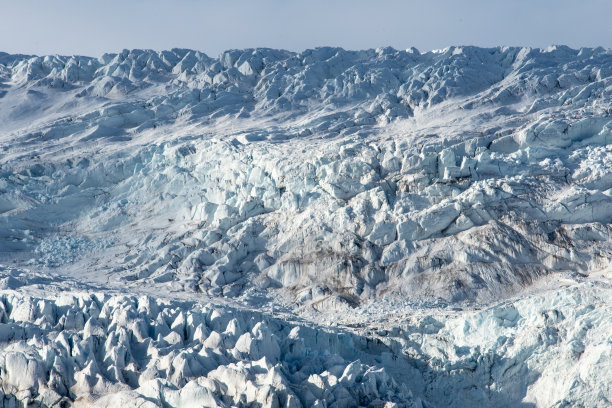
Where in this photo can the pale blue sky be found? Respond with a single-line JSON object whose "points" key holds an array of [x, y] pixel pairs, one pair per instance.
{"points": [[91, 28]]}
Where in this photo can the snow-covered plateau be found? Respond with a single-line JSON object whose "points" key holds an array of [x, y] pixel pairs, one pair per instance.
{"points": [[329, 228]]}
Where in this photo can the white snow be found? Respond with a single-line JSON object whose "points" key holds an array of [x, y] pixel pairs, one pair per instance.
{"points": [[331, 227]]}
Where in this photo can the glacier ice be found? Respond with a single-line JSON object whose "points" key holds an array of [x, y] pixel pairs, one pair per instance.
{"points": [[98, 349], [307, 194]]}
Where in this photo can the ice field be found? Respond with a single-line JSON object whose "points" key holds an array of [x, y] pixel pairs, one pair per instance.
{"points": [[329, 228]]}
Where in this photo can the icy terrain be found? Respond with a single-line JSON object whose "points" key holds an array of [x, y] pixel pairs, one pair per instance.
{"points": [[325, 228]]}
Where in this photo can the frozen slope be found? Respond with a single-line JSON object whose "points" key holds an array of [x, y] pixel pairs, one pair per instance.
{"points": [[335, 186]]}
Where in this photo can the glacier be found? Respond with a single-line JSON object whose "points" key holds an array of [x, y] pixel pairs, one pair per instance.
{"points": [[323, 228]]}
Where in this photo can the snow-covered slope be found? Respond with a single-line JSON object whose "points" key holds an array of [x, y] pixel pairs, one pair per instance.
{"points": [[327, 184]]}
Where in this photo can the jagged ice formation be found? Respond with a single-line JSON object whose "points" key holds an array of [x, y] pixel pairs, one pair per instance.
{"points": [[328, 184]]}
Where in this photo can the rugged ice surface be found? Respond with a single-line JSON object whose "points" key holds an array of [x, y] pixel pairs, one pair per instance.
{"points": [[107, 350], [330, 227]]}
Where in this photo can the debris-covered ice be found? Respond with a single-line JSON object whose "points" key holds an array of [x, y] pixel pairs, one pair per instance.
{"points": [[270, 227]]}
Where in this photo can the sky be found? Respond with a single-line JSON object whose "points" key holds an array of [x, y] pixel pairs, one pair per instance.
{"points": [[86, 27]]}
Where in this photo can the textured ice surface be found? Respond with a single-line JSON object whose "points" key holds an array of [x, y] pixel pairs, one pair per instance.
{"points": [[317, 185], [550, 349]]}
